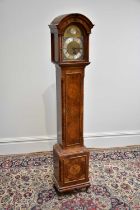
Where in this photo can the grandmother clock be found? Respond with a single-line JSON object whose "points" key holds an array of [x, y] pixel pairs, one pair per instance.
{"points": [[70, 54]]}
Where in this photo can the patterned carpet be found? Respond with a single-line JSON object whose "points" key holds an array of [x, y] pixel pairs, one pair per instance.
{"points": [[26, 182]]}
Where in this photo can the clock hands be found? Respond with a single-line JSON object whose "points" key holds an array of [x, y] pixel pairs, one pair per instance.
{"points": [[75, 50]]}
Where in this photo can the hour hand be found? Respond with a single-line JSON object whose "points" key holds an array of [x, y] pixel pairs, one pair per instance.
{"points": [[75, 50]]}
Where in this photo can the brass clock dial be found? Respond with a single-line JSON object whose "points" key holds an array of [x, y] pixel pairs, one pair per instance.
{"points": [[73, 44]]}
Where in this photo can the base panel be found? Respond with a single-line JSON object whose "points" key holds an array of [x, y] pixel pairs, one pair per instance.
{"points": [[71, 168]]}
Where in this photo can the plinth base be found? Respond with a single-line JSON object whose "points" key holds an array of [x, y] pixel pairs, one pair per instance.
{"points": [[70, 168], [71, 187]]}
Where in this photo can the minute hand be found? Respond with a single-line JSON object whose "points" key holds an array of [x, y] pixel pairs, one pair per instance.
{"points": [[75, 50]]}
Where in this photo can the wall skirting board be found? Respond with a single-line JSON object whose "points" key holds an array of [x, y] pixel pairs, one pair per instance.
{"points": [[92, 140]]}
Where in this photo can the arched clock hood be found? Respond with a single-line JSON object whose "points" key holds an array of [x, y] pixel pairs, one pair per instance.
{"points": [[62, 21], [58, 27]]}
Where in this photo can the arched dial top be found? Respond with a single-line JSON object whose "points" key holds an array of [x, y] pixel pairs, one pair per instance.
{"points": [[72, 45]]}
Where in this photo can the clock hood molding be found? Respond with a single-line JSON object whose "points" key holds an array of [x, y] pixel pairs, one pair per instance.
{"points": [[61, 22]]}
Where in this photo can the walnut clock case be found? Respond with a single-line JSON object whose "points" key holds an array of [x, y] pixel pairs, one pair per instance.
{"points": [[70, 54]]}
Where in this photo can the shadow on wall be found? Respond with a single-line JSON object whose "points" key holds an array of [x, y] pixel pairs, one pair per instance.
{"points": [[49, 98]]}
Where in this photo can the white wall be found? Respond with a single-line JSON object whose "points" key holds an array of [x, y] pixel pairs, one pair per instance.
{"points": [[27, 76]]}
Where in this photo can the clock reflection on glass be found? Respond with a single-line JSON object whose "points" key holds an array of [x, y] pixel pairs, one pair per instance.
{"points": [[72, 43]]}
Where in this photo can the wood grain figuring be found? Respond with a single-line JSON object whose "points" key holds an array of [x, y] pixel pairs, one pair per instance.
{"points": [[73, 102], [71, 157], [74, 168]]}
